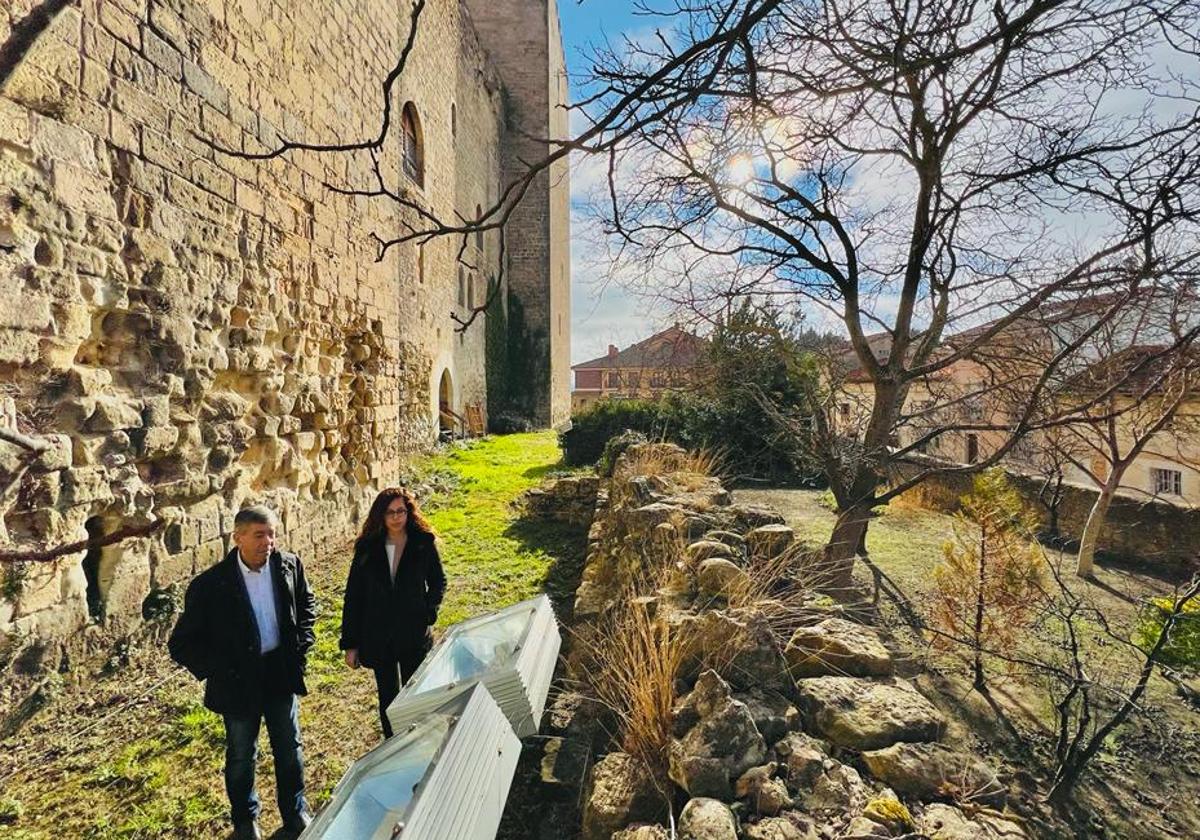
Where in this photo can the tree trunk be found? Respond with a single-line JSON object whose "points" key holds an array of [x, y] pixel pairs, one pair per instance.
{"points": [[981, 583], [1095, 523], [845, 543]]}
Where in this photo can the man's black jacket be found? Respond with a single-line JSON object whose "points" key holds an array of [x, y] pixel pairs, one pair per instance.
{"points": [[385, 620], [217, 639]]}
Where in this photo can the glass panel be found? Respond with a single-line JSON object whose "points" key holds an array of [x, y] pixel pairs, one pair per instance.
{"points": [[471, 652], [383, 784]]}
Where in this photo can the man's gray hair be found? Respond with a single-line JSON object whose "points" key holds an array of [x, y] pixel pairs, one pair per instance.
{"points": [[255, 515]]}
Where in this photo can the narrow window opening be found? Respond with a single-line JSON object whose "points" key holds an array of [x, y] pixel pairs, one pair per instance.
{"points": [[91, 569], [414, 154]]}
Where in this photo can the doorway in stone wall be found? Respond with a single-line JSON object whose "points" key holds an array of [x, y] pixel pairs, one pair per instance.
{"points": [[446, 407]]}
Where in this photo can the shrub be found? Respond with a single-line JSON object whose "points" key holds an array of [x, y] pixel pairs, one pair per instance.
{"points": [[734, 427], [1182, 649], [591, 429], [615, 448]]}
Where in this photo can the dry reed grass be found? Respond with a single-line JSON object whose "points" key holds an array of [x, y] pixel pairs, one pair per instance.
{"points": [[687, 468], [784, 588], [632, 657]]}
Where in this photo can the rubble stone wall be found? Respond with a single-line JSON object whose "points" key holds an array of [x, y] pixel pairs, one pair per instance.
{"points": [[190, 330], [1145, 530]]}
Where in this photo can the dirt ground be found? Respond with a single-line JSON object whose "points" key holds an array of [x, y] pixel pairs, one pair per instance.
{"points": [[1144, 784]]}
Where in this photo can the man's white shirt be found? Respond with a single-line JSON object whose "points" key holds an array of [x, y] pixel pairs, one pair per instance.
{"points": [[261, 590]]}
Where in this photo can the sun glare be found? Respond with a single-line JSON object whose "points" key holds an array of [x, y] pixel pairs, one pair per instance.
{"points": [[741, 170]]}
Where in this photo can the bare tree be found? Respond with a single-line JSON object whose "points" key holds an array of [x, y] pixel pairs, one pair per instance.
{"points": [[1094, 698], [907, 169], [1146, 413]]}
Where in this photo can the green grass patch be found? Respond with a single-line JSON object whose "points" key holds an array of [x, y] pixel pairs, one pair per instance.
{"points": [[490, 563]]}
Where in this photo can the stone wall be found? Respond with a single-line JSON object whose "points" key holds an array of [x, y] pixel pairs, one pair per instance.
{"points": [[192, 331], [1149, 531], [786, 719], [530, 58], [571, 500]]}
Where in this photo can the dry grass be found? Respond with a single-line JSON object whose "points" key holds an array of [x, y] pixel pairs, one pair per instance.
{"points": [[784, 588], [634, 657], [667, 459]]}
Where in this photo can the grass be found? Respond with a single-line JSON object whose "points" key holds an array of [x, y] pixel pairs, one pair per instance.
{"points": [[488, 563], [133, 755]]}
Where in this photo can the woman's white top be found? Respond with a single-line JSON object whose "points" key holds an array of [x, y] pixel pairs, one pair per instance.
{"points": [[391, 553]]}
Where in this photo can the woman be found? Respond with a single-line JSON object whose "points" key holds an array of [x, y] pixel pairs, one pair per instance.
{"points": [[396, 584]]}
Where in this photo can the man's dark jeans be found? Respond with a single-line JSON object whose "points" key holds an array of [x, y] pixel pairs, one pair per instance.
{"points": [[281, 713]]}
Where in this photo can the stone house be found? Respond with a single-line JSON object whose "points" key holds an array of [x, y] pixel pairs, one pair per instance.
{"points": [[187, 331], [668, 360], [972, 390]]}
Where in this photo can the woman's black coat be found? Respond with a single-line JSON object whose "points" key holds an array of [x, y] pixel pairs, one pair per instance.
{"points": [[386, 620]]}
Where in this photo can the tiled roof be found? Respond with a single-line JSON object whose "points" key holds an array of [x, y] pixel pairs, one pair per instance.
{"points": [[1133, 370], [671, 348]]}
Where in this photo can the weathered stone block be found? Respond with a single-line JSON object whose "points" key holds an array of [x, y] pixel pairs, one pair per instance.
{"points": [[162, 55], [111, 413], [868, 714], [619, 793]]}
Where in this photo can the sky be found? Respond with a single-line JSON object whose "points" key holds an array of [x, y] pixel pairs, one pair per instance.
{"points": [[600, 314]]}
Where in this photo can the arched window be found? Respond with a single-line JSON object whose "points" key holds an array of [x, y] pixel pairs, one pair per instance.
{"points": [[462, 287], [471, 289], [453, 122], [414, 151], [479, 231]]}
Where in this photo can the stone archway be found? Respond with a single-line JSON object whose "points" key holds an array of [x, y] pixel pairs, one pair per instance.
{"points": [[445, 423]]}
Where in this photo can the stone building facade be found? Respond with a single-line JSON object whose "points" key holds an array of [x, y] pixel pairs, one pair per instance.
{"points": [[190, 331], [537, 380]]}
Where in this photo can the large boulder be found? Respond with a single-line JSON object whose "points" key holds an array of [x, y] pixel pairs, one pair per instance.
{"points": [[934, 771], [740, 644], [620, 792], [719, 747], [769, 541], [838, 788], [867, 714], [945, 822], [706, 549], [836, 647], [707, 819], [734, 541], [747, 517]]}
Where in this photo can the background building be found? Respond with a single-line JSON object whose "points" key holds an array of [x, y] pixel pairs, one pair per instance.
{"points": [[666, 360]]}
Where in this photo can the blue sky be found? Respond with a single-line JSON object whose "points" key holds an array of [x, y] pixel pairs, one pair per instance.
{"points": [[599, 316]]}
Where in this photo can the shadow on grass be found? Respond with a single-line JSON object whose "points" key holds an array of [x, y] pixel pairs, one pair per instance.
{"points": [[564, 542], [543, 470]]}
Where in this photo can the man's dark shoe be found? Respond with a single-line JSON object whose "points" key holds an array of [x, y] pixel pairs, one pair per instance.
{"points": [[247, 831], [296, 824]]}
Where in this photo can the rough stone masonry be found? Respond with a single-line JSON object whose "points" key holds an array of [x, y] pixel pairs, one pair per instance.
{"points": [[184, 330]]}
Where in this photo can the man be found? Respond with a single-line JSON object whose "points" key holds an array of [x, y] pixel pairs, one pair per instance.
{"points": [[246, 628]]}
